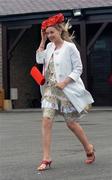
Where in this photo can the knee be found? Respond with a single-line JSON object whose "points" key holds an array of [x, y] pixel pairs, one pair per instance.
{"points": [[71, 124], [47, 123]]}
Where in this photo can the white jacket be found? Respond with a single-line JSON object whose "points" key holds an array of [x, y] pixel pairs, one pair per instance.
{"points": [[67, 63]]}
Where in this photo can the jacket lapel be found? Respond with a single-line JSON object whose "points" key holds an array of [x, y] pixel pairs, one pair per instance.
{"points": [[49, 55]]}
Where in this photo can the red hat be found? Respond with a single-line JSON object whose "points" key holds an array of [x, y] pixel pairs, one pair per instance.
{"points": [[51, 21]]}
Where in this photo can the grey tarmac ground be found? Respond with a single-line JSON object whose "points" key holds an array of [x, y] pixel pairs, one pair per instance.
{"points": [[20, 147]]}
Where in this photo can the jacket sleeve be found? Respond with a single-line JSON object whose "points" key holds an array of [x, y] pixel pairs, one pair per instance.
{"points": [[40, 57], [75, 63]]}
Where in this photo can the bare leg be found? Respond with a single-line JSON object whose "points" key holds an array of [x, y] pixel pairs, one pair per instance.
{"points": [[46, 137], [46, 140], [79, 132]]}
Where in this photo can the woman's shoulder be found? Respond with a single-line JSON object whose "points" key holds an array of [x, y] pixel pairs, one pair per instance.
{"points": [[50, 44], [71, 46]]}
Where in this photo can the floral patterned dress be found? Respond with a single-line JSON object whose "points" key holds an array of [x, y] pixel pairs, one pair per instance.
{"points": [[54, 97]]}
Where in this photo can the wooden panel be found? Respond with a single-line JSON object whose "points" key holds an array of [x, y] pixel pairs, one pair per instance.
{"points": [[6, 65], [1, 56], [1, 98], [83, 51]]}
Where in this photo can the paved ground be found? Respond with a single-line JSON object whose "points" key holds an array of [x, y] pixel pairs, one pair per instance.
{"points": [[20, 148]]}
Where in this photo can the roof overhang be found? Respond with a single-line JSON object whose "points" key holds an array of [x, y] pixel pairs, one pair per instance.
{"points": [[89, 14]]}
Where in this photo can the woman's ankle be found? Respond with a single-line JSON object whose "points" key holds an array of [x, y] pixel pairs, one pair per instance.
{"points": [[47, 158], [89, 148]]}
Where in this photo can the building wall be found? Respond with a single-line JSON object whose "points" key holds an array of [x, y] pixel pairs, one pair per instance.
{"points": [[1, 84], [23, 58]]}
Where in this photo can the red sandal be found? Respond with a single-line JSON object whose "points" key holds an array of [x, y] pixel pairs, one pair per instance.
{"points": [[90, 157], [44, 165]]}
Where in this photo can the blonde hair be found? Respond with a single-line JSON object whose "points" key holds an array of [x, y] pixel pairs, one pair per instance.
{"points": [[64, 28]]}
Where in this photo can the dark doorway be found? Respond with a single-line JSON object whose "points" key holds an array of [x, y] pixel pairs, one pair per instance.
{"points": [[22, 59], [100, 68]]}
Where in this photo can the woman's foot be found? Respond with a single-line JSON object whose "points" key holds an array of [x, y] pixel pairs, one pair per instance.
{"points": [[44, 165], [90, 155]]}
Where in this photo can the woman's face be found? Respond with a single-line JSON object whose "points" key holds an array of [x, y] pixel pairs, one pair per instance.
{"points": [[53, 34]]}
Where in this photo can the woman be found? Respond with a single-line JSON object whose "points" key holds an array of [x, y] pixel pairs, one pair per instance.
{"points": [[63, 91]]}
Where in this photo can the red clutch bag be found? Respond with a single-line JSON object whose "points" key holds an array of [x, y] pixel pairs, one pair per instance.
{"points": [[37, 76]]}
